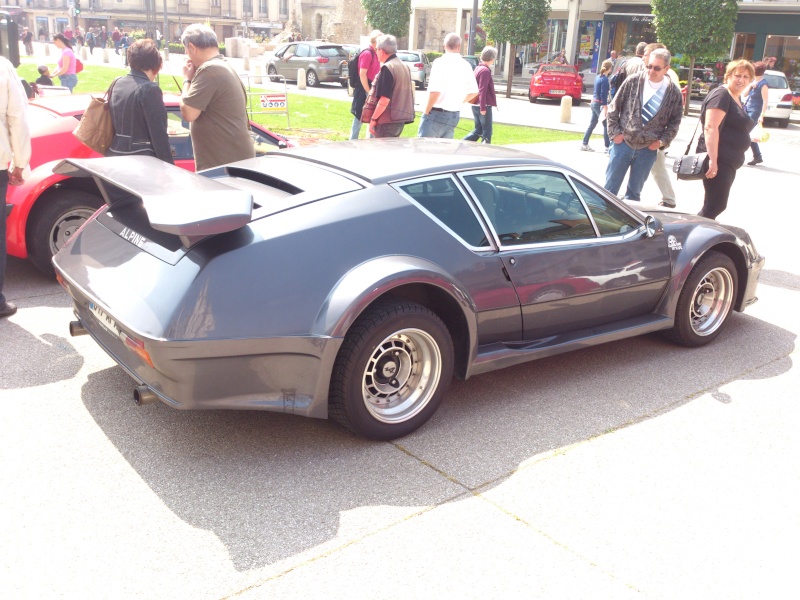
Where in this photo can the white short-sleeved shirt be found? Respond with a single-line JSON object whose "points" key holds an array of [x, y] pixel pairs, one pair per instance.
{"points": [[453, 78]]}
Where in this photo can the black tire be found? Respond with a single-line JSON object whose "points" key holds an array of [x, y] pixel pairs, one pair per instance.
{"points": [[577, 102], [56, 217], [311, 78], [783, 123], [345, 83], [273, 74], [531, 99], [392, 371], [705, 302]]}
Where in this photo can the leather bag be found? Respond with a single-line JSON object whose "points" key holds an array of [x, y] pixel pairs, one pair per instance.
{"points": [[96, 129], [691, 166]]}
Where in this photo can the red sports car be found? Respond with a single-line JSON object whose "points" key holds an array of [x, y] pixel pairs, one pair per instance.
{"points": [[48, 208], [555, 82]]}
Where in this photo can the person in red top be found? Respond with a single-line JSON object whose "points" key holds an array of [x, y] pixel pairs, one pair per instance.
{"points": [[482, 111], [116, 36], [368, 68]]}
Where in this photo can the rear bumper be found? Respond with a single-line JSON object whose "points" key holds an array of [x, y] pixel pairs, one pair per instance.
{"points": [[286, 374]]}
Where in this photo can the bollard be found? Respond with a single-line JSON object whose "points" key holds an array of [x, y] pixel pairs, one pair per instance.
{"points": [[84, 53], [301, 79], [246, 62], [47, 49], [258, 70], [566, 109], [105, 55]]}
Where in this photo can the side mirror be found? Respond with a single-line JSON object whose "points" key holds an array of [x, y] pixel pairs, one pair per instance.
{"points": [[283, 144], [651, 226]]}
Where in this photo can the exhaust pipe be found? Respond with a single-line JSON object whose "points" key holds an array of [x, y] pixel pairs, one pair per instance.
{"points": [[143, 395], [76, 328]]}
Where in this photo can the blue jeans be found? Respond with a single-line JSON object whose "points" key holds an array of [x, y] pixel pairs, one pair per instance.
{"points": [[754, 145], [3, 188], [596, 108], [355, 129], [620, 158], [438, 124], [483, 125], [69, 81]]}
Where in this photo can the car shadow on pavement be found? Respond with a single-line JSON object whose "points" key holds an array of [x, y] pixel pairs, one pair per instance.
{"points": [[31, 361], [272, 486]]}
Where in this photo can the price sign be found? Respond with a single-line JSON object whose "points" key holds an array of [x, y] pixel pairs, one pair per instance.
{"points": [[275, 102]]}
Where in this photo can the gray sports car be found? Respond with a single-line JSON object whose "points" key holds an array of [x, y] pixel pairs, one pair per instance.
{"points": [[352, 280]]}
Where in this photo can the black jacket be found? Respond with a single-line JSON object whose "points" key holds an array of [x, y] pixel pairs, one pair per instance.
{"points": [[139, 117]]}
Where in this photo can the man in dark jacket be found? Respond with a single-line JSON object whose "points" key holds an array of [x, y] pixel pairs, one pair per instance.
{"points": [[643, 117]]}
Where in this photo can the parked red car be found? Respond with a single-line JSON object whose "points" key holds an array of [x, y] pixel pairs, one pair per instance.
{"points": [[48, 208], [555, 82]]}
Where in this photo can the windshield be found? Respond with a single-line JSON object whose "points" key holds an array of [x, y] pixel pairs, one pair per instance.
{"points": [[777, 82], [332, 51], [559, 69], [408, 57]]}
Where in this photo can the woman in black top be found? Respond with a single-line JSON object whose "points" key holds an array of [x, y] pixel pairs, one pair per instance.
{"points": [[726, 136], [137, 107]]}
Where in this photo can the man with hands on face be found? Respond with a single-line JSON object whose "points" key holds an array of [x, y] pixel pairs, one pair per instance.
{"points": [[214, 101], [643, 117]]}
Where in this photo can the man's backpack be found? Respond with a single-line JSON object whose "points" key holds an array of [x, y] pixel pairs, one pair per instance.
{"points": [[615, 81], [352, 69]]}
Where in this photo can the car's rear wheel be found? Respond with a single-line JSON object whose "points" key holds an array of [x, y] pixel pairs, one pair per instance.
{"points": [[783, 123], [56, 218], [392, 371], [531, 98], [273, 73], [706, 300], [311, 78]]}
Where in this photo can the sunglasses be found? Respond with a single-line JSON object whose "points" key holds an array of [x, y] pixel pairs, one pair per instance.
{"points": [[654, 68]]}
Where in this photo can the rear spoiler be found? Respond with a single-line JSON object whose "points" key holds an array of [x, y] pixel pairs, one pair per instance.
{"points": [[176, 201]]}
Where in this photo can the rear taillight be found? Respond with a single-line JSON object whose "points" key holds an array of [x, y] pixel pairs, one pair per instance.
{"points": [[419, 66], [786, 98], [137, 347], [323, 59]]}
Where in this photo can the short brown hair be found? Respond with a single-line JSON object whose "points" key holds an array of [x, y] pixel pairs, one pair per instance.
{"points": [[741, 63], [143, 55], [759, 68]]}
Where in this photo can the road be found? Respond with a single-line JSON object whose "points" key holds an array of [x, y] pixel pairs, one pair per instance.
{"points": [[635, 469]]}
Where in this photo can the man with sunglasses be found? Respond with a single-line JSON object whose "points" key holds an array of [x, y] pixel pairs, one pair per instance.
{"points": [[643, 117]]}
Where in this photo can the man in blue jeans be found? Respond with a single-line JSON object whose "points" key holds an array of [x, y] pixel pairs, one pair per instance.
{"points": [[15, 148], [452, 83], [643, 117]]}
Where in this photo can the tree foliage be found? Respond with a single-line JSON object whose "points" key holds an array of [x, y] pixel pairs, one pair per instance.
{"points": [[696, 28], [515, 21], [390, 16]]}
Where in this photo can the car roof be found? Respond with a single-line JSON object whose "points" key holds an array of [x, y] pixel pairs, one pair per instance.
{"points": [[389, 159]]}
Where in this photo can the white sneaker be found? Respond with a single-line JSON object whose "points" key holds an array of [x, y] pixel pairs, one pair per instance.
{"points": [[587, 148]]}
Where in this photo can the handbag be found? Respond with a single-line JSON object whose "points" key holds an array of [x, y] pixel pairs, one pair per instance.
{"points": [[759, 135], [691, 166], [96, 129]]}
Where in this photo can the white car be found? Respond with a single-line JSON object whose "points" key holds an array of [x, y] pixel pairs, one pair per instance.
{"points": [[419, 65], [779, 108]]}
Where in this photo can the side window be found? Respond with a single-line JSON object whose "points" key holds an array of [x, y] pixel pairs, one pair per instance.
{"points": [[610, 220], [262, 143], [443, 199], [529, 207], [301, 50], [179, 139]]}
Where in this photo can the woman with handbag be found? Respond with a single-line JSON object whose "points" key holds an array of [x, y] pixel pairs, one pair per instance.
{"points": [[67, 63], [137, 107], [725, 136]]}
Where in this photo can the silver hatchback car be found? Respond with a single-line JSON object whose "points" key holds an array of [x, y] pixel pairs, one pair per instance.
{"points": [[323, 62], [419, 65]]}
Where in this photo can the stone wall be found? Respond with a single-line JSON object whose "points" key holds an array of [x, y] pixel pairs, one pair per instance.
{"points": [[340, 21], [432, 26]]}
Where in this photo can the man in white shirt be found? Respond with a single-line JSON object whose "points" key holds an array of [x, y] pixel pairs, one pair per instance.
{"points": [[15, 153], [452, 83]]}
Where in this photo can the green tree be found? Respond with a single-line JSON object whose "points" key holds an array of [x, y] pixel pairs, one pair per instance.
{"points": [[516, 22], [390, 16], [696, 28]]}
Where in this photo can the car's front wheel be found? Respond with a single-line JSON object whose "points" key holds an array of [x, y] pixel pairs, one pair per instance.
{"points": [[706, 300], [56, 217], [311, 78], [273, 74], [392, 371]]}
